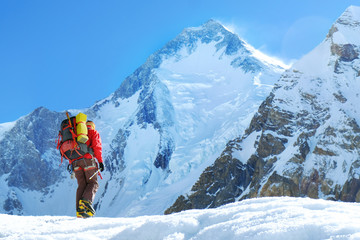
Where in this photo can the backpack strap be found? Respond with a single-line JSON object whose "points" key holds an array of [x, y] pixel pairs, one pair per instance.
{"points": [[59, 142], [71, 129]]}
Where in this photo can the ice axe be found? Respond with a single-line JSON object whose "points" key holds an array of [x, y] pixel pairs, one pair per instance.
{"points": [[94, 174], [98, 171]]}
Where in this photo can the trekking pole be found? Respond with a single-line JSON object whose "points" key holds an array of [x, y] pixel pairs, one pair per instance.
{"points": [[94, 174], [67, 114]]}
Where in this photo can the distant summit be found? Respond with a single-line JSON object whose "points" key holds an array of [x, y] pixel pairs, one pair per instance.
{"points": [[350, 18], [341, 45]]}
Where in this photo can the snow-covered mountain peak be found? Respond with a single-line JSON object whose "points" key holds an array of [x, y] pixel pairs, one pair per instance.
{"points": [[190, 98], [340, 47], [210, 25], [346, 26], [182, 46], [350, 17], [211, 31], [234, 44]]}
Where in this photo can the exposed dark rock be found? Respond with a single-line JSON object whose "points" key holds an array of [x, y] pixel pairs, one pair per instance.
{"points": [[115, 160], [12, 205], [351, 191], [346, 52], [164, 155], [279, 186], [215, 188]]}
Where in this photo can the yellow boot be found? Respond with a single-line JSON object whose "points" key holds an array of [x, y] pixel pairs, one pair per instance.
{"points": [[82, 213], [87, 208]]}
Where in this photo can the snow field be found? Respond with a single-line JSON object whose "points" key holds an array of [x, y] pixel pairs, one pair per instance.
{"points": [[254, 219]]}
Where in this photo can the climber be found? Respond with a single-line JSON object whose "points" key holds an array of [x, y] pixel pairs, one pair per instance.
{"points": [[79, 142], [85, 170]]}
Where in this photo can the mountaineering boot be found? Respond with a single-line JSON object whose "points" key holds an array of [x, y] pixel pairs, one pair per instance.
{"points": [[86, 205], [81, 213]]}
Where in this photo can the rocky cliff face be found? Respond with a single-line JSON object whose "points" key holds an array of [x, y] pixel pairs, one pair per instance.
{"points": [[305, 138]]}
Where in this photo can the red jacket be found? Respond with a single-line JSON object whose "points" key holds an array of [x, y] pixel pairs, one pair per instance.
{"points": [[95, 143]]}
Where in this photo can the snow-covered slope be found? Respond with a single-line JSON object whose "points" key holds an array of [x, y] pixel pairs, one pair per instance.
{"points": [[305, 138], [255, 219], [160, 129]]}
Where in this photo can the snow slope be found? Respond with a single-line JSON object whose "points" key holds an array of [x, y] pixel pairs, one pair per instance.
{"points": [[255, 219]]}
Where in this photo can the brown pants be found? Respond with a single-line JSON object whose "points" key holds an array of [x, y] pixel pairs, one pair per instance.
{"points": [[87, 188]]}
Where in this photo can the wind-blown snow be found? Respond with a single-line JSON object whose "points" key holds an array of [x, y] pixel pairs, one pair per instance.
{"points": [[267, 59], [4, 127], [255, 219]]}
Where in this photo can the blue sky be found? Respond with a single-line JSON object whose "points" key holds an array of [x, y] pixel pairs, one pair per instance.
{"points": [[49, 49]]}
